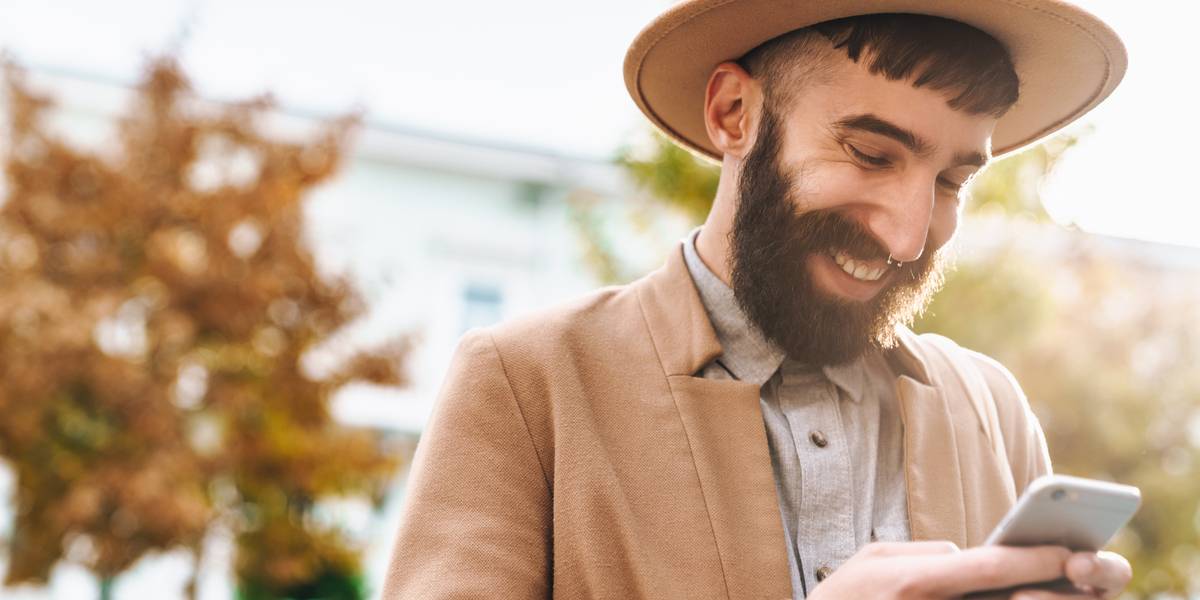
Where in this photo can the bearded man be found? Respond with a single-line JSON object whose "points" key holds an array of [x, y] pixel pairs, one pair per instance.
{"points": [[753, 420]]}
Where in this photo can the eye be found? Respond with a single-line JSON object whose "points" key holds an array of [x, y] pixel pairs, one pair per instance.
{"points": [[874, 161], [951, 185], [956, 180]]}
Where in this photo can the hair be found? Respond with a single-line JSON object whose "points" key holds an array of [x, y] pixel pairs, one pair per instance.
{"points": [[941, 54]]}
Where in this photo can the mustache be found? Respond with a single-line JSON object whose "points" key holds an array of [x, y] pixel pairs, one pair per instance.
{"points": [[835, 230]]}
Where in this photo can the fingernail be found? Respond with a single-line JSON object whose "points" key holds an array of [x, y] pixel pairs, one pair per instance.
{"points": [[1089, 565]]}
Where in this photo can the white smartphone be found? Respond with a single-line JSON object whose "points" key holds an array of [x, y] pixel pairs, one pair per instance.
{"points": [[1059, 510]]}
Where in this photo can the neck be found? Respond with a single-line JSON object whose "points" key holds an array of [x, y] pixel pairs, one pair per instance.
{"points": [[713, 242]]}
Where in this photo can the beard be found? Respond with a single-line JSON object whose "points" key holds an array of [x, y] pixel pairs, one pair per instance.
{"points": [[771, 243]]}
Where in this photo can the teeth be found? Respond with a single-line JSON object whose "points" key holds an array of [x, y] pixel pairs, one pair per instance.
{"points": [[858, 270]]}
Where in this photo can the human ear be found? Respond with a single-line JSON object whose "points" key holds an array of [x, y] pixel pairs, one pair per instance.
{"points": [[731, 104]]}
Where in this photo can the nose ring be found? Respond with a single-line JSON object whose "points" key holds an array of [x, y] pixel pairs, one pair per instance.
{"points": [[894, 263]]}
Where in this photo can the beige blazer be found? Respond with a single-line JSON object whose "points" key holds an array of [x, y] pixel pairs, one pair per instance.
{"points": [[575, 454]]}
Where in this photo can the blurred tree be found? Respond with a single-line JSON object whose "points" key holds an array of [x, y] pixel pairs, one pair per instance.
{"points": [[157, 313], [668, 172], [599, 257], [676, 186], [1009, 188], [1104, 339]]}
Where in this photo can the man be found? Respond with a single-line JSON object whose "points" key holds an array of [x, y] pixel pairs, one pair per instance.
{"points": [[753, 420]]}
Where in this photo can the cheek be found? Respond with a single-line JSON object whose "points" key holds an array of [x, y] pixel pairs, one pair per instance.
{"points": [[834, 187]]}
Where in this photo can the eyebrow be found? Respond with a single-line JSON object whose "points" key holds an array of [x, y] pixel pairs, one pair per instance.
{"points": [[873, 124], [972, 159], [915, 143]]}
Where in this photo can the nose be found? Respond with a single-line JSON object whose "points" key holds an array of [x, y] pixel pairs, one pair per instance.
{"points": [[902, 218]]}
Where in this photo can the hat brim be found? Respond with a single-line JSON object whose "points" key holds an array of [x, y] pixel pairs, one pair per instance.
{"points": [[1067, 59]]}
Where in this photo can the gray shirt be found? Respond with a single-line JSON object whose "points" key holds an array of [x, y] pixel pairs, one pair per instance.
{"points": [[834, 433]]}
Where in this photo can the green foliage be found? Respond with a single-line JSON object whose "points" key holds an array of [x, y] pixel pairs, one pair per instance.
{"points": [[323, 568], [327, 586], [672, 181], [673, 175], [599, 256]]}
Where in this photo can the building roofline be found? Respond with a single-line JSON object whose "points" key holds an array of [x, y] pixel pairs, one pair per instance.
{"points": [[380, 141]]}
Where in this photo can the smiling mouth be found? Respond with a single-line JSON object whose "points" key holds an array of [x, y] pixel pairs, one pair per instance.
{"points": [[859, 270]]}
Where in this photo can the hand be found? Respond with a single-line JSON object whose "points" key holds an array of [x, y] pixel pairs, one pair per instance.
{"points": [[930, 570]]}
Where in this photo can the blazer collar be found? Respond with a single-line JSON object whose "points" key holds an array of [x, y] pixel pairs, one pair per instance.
{"points": [[675, 315], [911, 359]]}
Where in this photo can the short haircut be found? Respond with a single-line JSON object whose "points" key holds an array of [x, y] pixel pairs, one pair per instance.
{"points": [[972, 67]]}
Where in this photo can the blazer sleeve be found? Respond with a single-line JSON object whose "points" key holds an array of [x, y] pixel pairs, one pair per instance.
{"points": [[1023, 437], [477, 513]]}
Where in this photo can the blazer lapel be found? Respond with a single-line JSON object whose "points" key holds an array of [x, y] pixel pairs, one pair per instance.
{"points": [[723, 424], [931, 466], [933, 470], [959, 483]]}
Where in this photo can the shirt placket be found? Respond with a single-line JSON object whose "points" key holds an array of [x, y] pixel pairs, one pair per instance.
{"points": [[825, 522]]}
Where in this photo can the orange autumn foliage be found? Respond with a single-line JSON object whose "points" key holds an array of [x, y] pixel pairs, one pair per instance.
{"points": [[155, 307]]}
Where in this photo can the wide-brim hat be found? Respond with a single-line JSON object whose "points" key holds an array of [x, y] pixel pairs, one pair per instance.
{"points": [[1067, 59]]}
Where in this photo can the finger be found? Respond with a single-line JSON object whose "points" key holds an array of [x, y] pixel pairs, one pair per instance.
{"points": [[1057, 588], [889, 549], [1047, 595], [1106, 572], [992, 568]]}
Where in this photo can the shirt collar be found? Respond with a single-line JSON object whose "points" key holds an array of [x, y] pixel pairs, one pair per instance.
{"points": [[850, 377], [748, 355]]}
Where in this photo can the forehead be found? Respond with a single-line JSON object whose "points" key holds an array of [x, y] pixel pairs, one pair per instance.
{"points": [[850, 90]]}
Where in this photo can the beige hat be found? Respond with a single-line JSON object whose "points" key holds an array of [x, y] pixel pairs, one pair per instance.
{"points": [[1067, 59]]}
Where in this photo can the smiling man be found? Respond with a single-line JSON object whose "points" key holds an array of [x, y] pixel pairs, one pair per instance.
{"points": [[754, 420]]}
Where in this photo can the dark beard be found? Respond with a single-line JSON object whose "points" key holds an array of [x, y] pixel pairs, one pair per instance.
{"points": [[771, 243]]}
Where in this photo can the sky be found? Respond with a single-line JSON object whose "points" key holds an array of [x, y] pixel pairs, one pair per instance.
{"points": [[546, 74]]}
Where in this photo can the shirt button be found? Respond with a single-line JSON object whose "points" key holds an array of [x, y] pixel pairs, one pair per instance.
{"points": [[822, 573], [818, 438]]}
